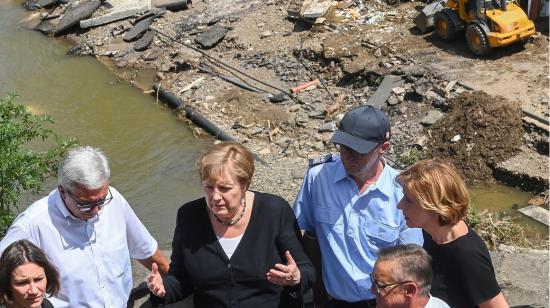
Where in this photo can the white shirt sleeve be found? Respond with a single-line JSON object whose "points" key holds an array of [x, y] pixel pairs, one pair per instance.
{"points": [[15, 232], [141, 244]]}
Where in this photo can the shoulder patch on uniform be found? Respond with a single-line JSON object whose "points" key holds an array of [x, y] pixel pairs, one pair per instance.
{"points": [[320, 160]]}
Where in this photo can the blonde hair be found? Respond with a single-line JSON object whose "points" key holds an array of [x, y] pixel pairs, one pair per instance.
{"points": [[438, 187], [230, 156]]}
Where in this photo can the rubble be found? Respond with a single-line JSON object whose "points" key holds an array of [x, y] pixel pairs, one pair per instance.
{"points": [[356, 52], [138, 29], [75, 14], [211, 37]]}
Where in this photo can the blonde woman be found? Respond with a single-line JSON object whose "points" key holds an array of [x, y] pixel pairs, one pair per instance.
{"points": [[234, 247], [436, 200]]}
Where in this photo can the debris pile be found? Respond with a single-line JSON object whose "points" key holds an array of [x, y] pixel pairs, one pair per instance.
{"points": [[479, 132]]}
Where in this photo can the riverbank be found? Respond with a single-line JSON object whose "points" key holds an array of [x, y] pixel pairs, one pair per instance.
{"points": [[352, 59], [430, 91]]}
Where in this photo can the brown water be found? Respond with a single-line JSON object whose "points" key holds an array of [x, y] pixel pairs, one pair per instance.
{"points": [[501, 198], [151, 151]]}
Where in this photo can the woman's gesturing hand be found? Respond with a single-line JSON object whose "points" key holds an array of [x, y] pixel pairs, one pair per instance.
{"points": [[154, 282], [285, 275]]}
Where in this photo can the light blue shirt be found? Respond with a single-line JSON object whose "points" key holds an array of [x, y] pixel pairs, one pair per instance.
{"points": [[351, 227]]}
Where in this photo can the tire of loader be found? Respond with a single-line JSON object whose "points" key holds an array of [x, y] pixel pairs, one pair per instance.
{"points": [[444, 26], [477, 40]]}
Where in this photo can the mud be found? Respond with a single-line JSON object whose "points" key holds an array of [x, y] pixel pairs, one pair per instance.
{"points": [[479, 132]]}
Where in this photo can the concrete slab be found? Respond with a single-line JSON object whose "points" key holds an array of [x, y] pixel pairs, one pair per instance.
{"points": [[528, 170], [316, 9], [211, 37], [138, 29], [75, 14], [144, 42], [121, 9], [522, 274], [537, 213], [378, 99]]}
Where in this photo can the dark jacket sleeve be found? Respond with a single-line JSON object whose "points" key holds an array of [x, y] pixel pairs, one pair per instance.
{"points": [[289, 238], [177, 282]]}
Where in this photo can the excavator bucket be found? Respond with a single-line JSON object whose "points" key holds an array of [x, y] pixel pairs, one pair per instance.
{"points": [[424, 21]]}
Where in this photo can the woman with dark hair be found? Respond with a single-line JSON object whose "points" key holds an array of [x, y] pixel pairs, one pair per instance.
{"points": [[26, 276], [436, 200], [234, 247]]}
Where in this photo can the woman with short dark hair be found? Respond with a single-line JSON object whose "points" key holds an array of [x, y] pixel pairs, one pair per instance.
{"points": [[26, 276]]}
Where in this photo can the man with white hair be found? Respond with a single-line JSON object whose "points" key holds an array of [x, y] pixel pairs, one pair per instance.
{"points": [[90, 232]]}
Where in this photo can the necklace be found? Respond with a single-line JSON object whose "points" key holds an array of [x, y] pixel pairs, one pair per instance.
{"points": [[233, 221]]}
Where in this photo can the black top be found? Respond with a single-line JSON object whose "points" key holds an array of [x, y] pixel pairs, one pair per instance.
{"points": [[199, 266], [463, 272], [46, 304]]}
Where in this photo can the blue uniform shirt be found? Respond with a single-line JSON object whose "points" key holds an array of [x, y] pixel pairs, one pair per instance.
{"points": [[351, 227]]}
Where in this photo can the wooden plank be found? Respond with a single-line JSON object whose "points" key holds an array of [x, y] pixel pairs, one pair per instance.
{"points": [[537, 213]]}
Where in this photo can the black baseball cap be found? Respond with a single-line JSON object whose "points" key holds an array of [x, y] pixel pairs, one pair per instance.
{"points": [[362, 129]]}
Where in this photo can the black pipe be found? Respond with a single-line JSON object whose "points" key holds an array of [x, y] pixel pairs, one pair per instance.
{"points": [[231, 80], [191, 114]]}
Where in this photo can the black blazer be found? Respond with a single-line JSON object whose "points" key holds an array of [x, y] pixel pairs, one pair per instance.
{"points": [[199, 266]]}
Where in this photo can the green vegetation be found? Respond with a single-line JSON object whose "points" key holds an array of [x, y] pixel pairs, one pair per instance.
{"points": [[22, 168], [411, 157]]}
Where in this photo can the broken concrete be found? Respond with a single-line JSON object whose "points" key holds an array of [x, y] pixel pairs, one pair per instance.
{"points": [[378, 99], [431, 118], [144, 42], [118, 12], [338, 46], [522, 274], [514, 171], [211, 37], [138, 29], [315, 8], [74, 15], [45, 27], [537, 213], [363, 61]]}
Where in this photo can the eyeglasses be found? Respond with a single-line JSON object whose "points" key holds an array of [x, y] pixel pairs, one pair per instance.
{"points": [[90, 205], [349, 150], [378, 287]]}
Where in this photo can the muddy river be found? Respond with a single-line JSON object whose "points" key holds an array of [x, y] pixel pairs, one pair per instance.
{"points": [[151, 151]]}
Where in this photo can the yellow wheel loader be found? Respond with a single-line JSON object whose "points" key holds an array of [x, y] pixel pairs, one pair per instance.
{"points": [[487, 23]]}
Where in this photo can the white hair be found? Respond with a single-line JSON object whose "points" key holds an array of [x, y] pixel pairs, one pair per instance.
{"points": [[86, 166]]}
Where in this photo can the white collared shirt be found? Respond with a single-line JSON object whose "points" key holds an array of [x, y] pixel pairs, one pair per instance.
{"points": [[92, 256], [435, 302]]}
